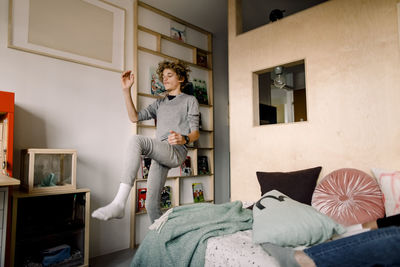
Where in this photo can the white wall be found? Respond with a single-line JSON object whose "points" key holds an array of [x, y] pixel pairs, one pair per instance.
{"points": [[59, 104]]}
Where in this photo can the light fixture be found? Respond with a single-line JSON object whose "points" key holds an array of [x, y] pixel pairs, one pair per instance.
{"points": [[279, 80]]}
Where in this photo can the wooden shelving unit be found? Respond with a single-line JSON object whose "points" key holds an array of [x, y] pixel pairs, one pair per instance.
{"points": [[41, 220], [152, 44]]}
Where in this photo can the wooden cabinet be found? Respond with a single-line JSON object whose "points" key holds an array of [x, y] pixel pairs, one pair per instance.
{"points": [[159, 36], [46, 220]]}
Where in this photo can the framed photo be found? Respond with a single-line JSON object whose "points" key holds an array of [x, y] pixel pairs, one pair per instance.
{"points": [[90, 32]]}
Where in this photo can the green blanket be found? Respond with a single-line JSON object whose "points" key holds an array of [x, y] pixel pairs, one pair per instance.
{"points": [[182, 240]]}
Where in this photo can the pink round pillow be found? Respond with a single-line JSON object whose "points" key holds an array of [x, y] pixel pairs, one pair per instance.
{"points": [[349, 196]]}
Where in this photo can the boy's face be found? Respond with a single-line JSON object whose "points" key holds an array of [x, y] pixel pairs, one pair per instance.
{"points": [[171, 80]]}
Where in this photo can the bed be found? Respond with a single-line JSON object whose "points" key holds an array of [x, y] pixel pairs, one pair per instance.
{"points": [[298, 216]]}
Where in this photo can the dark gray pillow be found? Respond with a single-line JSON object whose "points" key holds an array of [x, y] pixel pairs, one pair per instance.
{"points": [[298, 185]]}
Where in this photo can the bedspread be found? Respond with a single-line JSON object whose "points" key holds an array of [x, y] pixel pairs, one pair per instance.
{"points": [[182, 240]]}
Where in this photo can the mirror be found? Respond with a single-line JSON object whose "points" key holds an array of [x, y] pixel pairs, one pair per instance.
{"points": [[280, 92]]}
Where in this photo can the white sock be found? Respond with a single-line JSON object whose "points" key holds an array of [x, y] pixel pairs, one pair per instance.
{"points": [[116, 209]]}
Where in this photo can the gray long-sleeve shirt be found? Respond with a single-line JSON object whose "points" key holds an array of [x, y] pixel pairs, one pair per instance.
{"points": [[180, 114]]}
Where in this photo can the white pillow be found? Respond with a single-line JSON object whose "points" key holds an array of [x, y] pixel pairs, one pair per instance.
{"points": [[283, 221], [389, 182]]}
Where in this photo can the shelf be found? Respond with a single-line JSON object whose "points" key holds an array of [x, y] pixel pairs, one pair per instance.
{"points": [[155, 96], [145, 211], [165, 37], [149, 95], [165, 209], [146, 126], [153, 126], [34, 238], [205, 201], [44, 220], [164, 14], [194, 176], [156, 53], [176, 177], [152, 44]]}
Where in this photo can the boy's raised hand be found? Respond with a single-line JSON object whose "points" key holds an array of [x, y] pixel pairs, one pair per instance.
{"points": [[127, 79]]}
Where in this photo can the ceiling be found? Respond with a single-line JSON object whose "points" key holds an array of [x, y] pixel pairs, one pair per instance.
{"points": [[211, 15]]}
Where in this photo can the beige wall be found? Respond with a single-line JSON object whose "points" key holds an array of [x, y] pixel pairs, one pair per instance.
{"points": [[351, 51]]}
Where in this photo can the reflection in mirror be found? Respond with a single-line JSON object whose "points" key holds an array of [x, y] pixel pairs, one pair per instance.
{"points": [[282, 94]]}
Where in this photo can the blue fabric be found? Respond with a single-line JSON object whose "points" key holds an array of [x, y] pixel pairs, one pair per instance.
{"points": [[379, 247], [182, 240]]}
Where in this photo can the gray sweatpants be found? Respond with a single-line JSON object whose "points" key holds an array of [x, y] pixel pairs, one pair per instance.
{"points": [[164, 157]]}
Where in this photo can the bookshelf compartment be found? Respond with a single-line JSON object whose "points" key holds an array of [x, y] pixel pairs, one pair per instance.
{"points": [[209, 153], [153, 20], [145, 131], [186, 193], [45, 220], [142, 221], [148, 64], [205, 140], [177, 51], [197, 39], [147, 40], [206, 118]]}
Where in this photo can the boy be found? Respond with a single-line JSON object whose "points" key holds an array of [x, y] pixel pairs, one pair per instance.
{"points": [[177, 116]]}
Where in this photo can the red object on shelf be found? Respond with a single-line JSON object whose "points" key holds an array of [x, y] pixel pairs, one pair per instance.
{"points": [[7, 113]]}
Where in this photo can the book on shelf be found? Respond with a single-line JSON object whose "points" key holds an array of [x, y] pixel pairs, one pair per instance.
{"points": [[146, 162], [186, 167], [201, 59], [200, 91], [156, 86], [141, 199], [198, 193], [166, 199], [202, 165], [177, 31]]}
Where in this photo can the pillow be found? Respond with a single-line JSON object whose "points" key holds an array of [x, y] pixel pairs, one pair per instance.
{"points": [[298, 185], [389, 182], [280, 220], [349, 196]]}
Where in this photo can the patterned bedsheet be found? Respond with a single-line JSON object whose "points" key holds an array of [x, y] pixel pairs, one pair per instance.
{"points": [[237, 250]]}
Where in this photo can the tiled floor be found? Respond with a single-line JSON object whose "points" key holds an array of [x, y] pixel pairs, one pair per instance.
{"points": [[121, 258]]}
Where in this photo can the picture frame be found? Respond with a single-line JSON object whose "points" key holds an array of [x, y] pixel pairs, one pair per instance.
{"points": [[89, 32]]}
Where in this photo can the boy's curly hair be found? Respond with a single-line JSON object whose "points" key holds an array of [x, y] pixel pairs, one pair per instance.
{"points": [[181, 69]]}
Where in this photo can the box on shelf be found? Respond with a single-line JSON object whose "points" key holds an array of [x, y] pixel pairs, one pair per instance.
{"points": [[47, 170]]}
